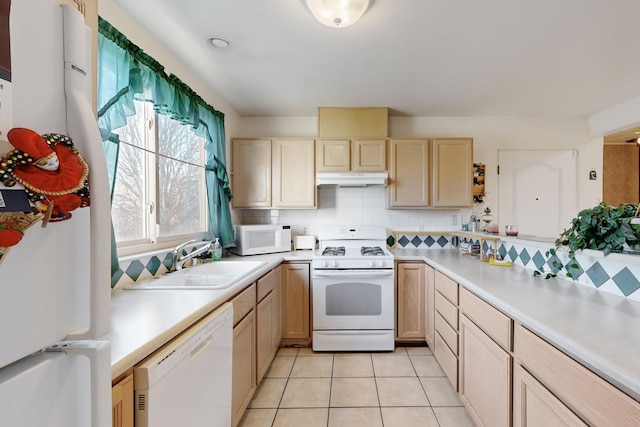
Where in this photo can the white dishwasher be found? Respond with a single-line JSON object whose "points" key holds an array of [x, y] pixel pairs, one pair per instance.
{"points": [[188, 381]]}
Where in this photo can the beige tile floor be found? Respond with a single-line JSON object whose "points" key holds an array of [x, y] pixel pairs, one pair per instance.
{"points": [[406, 388]]}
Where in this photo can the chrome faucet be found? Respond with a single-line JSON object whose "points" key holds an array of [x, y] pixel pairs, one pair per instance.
{"points": [[179, 259]]}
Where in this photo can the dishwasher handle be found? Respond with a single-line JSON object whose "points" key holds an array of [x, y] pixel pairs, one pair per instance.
{"points": [[202, 347]]}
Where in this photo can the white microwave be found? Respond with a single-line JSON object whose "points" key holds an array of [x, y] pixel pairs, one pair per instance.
{"points": [[262, 239]]}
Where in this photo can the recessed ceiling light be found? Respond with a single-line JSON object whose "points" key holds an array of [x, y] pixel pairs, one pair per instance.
{"points": [[215, 42]]}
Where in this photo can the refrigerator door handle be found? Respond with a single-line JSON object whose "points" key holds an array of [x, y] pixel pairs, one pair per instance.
{"points": [[99, 355], [83, 129]]}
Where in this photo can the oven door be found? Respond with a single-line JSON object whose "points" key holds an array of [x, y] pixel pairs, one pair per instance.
{"points": [[353, 300]]}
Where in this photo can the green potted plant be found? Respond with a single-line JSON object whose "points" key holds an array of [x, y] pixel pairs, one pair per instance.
{"points": [[604, 228]]}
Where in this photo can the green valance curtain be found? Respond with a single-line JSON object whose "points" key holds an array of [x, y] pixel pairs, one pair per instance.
{"points": [[125, 74]]}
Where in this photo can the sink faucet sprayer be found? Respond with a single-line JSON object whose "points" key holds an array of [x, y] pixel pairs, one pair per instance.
{"points": [[179, 259]]}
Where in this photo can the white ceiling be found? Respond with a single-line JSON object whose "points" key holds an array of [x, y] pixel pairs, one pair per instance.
{"points": [[417, 57]]}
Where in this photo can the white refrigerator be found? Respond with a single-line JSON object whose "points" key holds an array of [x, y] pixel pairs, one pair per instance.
{"points": [[55, 283]]}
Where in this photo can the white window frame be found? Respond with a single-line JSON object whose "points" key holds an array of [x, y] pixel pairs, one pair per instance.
{"points": [[155, 242]]}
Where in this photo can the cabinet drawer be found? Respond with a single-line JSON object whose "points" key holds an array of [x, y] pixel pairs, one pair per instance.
{"points": [[448, 311], [266, 284], [597, 401], [448, 334], [447, 360], [490, 320], [243, 303], [447, 287]]}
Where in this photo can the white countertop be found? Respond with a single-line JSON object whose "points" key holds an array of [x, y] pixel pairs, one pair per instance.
{"points": [[598, 329], [142, 321]]}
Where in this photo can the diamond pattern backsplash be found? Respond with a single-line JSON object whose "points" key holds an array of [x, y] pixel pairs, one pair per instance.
{"points": [[609, 276]]}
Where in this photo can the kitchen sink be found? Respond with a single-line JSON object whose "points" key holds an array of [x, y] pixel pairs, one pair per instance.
{"points": [[213, 275]]}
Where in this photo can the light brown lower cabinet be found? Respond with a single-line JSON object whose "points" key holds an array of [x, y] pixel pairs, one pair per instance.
{"points": [[484, 376], [122, 402], [410, 301], [244, 366], [295, 302], [429, 306], [590, 397], [445, 345], [268, 319], [534, 405]]}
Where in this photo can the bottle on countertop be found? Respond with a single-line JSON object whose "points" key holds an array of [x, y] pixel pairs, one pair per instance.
{"points": [[216, 250]]}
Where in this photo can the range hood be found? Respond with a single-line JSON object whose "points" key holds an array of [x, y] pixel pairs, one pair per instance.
{"points": [[351, 179]]}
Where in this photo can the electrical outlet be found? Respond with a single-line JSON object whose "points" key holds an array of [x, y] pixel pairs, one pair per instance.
{"points": [[454, 219]]}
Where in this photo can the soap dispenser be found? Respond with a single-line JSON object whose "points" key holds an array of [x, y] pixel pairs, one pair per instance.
{"points": [[216, 253]]}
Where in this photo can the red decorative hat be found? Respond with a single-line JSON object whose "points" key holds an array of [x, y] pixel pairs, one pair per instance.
{"points": [[31, 143]]}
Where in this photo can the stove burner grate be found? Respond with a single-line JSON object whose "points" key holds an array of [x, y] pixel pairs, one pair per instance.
{"points": [[333, 251], [371, 251]]}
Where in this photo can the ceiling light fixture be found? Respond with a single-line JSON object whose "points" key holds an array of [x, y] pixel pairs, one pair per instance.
{"points": [[215, 42], [337, 13]]}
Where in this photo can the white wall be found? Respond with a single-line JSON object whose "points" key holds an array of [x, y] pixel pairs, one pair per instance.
{"points": [[490, 134]]}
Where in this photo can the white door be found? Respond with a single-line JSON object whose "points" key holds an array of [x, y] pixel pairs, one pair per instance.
{"points": [[537, 190]]}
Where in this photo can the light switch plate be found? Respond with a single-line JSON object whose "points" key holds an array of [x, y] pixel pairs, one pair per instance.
{"points": [[6, 111]]}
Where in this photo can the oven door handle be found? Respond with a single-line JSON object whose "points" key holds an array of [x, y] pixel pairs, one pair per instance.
{"points": [[370, 274]]}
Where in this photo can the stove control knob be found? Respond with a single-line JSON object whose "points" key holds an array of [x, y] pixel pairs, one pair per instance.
{"points": [[325, 263], [372, 263], [381, 263], [334, 263]]}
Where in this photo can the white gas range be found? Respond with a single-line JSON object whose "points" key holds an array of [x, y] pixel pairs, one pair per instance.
{"points": [[353, 290]]}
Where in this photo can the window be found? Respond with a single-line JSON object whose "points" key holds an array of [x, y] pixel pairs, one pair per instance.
{"points": [[159, 193]]}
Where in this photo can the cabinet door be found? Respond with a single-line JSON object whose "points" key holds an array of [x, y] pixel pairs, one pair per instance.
{"points": [[409, 173], [369, 155], [484, 377], [429, 306], [122, 403], [534, 405], [244, 366], [276, 334], [295, 301], [452, 165], [264, 350], [411, 299], [333, 155], [251, 173], [294, 174]]}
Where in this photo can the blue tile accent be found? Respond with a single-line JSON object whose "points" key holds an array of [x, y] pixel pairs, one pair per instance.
{"points": [[554, 263], [115, 277], [524, 256], [403, 241], [153, 265], [168, 261], [597, 274], [574, 268], [626, 282], [429, 241], [539, 261], [513, 254], [135, 269], [443, 241], [502, 251], [416, 241]]}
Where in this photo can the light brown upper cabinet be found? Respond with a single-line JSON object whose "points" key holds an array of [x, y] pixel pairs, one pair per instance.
{"points": [[351, 155], [409, 173], [277, 173], [430, 173], [452, 162]]}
